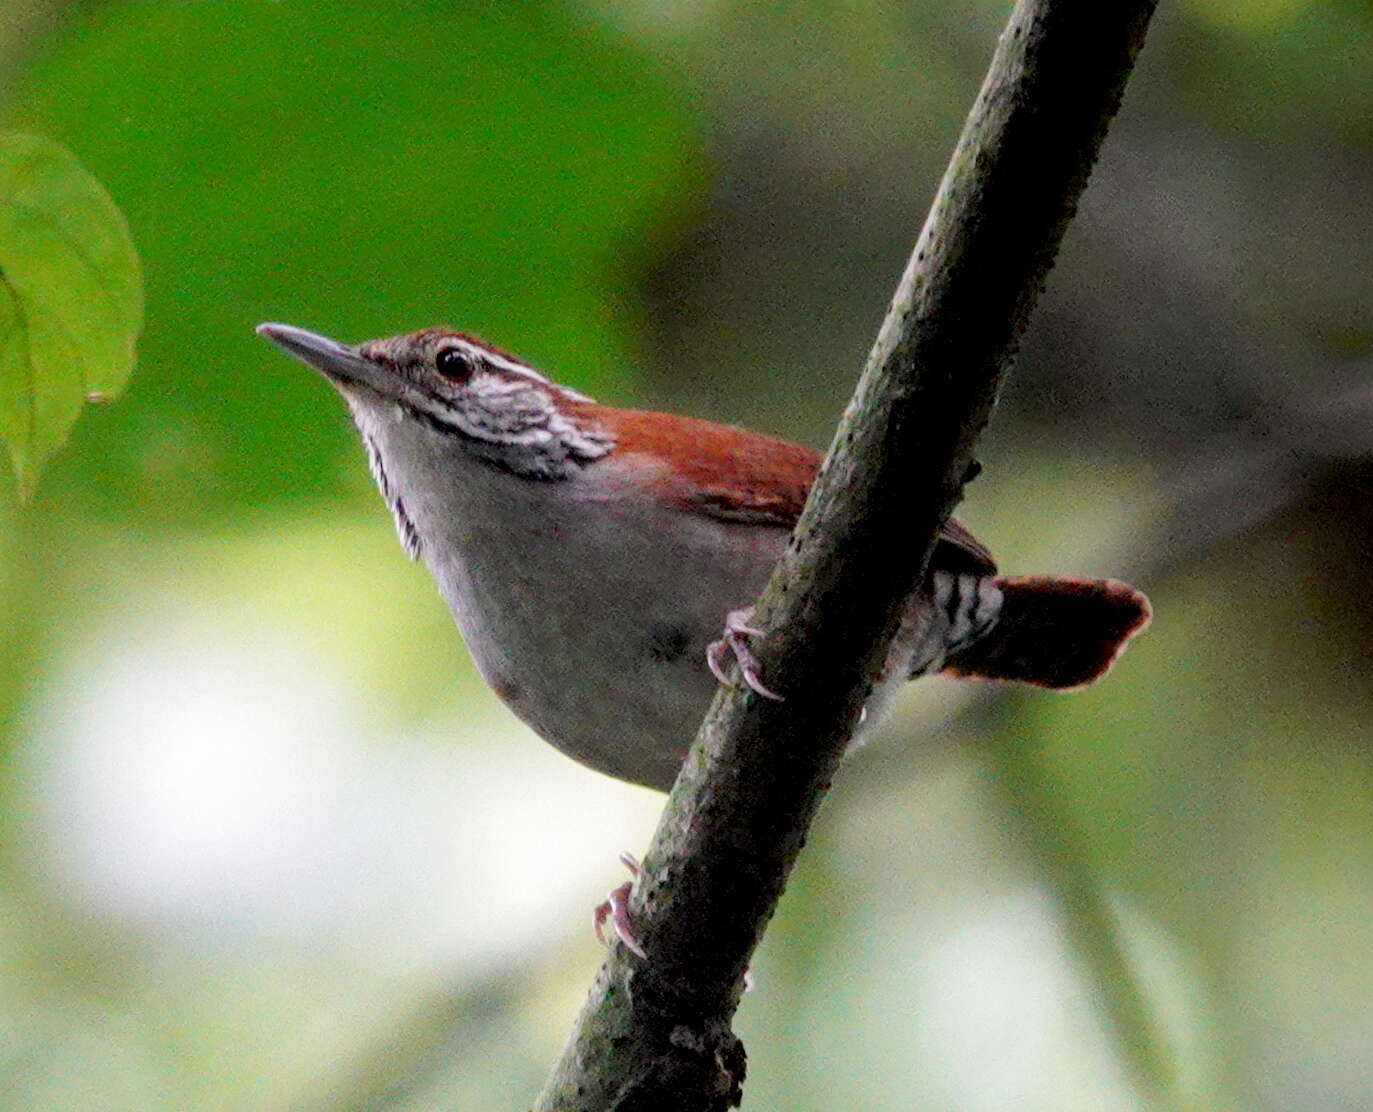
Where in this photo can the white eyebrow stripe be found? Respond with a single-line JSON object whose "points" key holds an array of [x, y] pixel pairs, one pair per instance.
{"points": [[494, 384], [500, 362]]}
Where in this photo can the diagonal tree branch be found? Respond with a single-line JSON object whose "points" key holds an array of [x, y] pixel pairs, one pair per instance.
{"points": [[655, 1036]]}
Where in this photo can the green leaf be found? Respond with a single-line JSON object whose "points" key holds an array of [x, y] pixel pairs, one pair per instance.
{"points": [[71, 298]]}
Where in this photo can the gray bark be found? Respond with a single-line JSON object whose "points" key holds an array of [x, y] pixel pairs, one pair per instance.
{"points": [[656, 1035]]}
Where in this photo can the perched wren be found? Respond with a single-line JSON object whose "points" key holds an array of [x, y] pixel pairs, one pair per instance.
{"points": [[592, 555]]}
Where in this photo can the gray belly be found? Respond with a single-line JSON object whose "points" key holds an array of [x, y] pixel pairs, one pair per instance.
{"points": [[593, 625]]}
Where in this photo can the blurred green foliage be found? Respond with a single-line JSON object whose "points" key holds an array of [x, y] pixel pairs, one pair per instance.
{"points": [[1264, 50], [361, 169]]}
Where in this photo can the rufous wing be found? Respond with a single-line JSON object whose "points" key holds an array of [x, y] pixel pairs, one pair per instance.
{"points": [[748, 477]]}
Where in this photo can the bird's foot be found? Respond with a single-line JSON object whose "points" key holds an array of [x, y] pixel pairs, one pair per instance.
{"points": [[736, 641], [615, 907]]}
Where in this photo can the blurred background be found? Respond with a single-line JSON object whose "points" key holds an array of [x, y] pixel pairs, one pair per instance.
{"points": [[267, 843]]}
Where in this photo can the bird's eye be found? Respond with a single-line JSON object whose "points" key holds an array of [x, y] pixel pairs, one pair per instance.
{"points": [[454, 364]]}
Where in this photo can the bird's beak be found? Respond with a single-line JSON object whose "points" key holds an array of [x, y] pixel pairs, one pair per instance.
{"points": [[337, 362]]}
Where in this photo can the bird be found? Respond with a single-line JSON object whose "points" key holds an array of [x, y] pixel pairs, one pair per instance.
{"points": [[599, 562]]}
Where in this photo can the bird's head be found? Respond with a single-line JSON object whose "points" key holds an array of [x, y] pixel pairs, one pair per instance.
{"points": [[440, 390]]}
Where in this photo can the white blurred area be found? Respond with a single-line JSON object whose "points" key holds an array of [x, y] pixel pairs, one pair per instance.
{"points": [[205, 771]]}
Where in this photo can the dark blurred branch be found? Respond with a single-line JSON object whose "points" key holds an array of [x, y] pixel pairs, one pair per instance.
{"points": [[656, 1034], [1231, 486]]}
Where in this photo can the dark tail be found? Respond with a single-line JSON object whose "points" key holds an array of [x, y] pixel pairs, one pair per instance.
{"points": [[1055, 632]]}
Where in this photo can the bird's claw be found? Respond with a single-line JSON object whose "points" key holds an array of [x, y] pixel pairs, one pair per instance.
{"points": [[615, 907], [736, 641]]}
